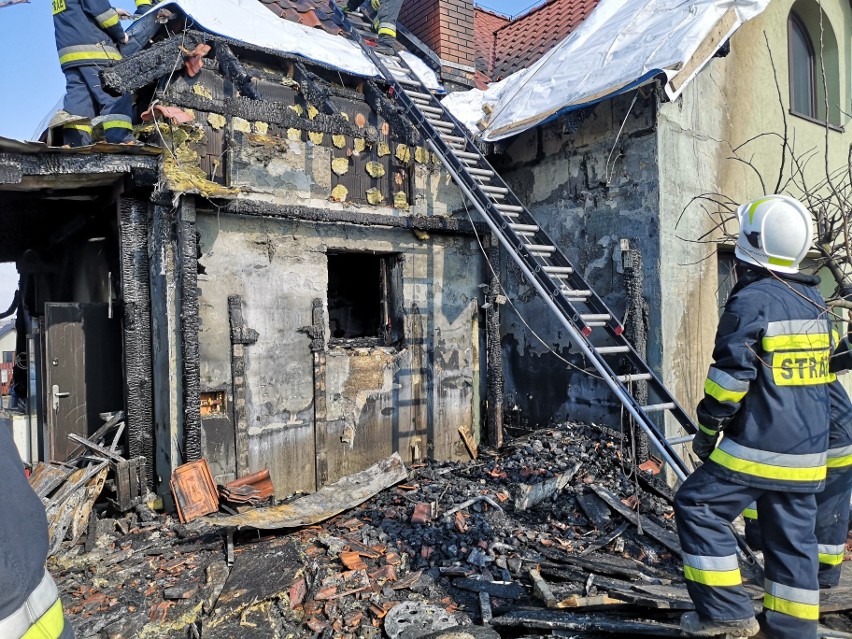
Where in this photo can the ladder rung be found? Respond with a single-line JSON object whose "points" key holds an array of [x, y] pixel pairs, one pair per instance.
{"points": [[467, 155], [612, 350], [430, 109], [596, 317], [576, 293], [440, 124], [674, 441], [452, 138], [636, 377], [526, 228], [557, 270], [481, 172], [656, 408], [494, 189], [417, 94], [406, 80], [400, 72], [510, 208], [540, 248]]}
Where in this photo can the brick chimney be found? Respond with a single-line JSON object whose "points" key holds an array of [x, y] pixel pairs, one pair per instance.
{"points": [[446, 27]]}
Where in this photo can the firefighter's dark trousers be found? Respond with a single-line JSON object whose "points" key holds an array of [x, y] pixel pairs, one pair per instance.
{"points": [[704, 506], [832, 524], [85, 97], [386, 16]]}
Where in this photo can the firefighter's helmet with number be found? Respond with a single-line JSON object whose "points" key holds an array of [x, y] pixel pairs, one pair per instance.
{"points": [[775, 232]]}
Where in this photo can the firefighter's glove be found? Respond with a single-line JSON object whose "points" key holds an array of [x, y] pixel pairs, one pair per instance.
{"points": [[704, 444], [376, 4]]}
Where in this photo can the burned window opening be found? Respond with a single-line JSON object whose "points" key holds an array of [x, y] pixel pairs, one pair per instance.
{"points": [[364, 299]]}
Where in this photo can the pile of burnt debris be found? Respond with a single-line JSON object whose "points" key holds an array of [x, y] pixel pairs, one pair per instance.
{"points": [[559, 534]]}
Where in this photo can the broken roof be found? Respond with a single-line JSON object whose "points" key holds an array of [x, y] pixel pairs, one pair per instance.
{"points": [[621, 45], [248, 21]]}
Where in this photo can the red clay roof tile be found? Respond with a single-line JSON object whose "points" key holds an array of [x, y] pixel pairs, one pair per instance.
{"points": [[524, 40], [311, 13], [485, 23]]}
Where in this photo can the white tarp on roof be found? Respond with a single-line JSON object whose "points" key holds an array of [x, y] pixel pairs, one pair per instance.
{"points": [[251, 22], [622, 44]]}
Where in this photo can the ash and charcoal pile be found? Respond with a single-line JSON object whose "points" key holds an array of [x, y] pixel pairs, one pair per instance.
{"points": [[544, 537]]}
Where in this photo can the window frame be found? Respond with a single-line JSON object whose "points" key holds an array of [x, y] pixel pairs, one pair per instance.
{"points": [[795, 22]]}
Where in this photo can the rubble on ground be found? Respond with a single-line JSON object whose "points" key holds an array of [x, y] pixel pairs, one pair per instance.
{"points": [[557, 533]]}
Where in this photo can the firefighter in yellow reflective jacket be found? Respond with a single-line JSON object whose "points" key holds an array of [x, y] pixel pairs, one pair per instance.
{"points": [[144, 5], [29, 601], [768, 391], [387, 12], [832, 518], [88, 34]]}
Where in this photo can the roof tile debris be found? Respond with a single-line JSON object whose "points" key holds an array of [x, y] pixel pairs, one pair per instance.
{"points": [[311, 13]]}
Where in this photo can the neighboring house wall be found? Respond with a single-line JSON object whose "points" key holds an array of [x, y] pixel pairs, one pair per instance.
{"points": [[589, 188], [733, 100]]}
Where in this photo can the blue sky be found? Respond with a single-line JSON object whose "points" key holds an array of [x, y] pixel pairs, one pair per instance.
{"points": [[32, 82]]}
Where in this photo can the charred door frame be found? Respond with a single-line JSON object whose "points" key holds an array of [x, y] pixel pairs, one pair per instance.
{"points": [[137, 328], [187, 258]]}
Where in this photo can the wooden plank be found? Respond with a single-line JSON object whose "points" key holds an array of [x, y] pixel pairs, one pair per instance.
{"points": [[106, 452], [648, 527], [493, 588], [330, 500], [595, 510], [591, 622]]}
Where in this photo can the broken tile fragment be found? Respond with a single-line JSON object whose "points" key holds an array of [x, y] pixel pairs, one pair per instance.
{"points": [[422, 513]]}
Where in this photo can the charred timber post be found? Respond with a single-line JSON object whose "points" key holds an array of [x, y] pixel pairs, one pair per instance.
{"points": [[241, 336], [188, 274], [493, 352], [234, 70], [636, 332], [138, 359], [316, 331]]}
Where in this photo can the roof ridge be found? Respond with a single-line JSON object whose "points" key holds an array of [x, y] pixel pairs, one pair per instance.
{"points": [[497, 14]]}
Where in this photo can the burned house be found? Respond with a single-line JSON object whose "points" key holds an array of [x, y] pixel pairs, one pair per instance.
{"points": [[283, 278]]}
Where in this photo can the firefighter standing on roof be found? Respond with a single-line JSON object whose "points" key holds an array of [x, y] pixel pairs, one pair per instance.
{"points": [[767, 390], [88, 34], [387, 12]]}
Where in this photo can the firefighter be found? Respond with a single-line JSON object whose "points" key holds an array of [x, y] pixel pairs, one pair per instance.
{"points": [[88, 34], [767, 391], [832, 519], [29, 599], [387, 11], [143, 5]]}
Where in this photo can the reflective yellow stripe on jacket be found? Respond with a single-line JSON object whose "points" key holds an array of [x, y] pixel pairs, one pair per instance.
{"points": [[800, 351], [724, 387], [768, 465], [840, 457], [40, 616], [94, 52]]}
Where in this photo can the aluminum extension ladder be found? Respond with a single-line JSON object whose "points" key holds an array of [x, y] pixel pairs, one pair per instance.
{"points": [[590, 324]]}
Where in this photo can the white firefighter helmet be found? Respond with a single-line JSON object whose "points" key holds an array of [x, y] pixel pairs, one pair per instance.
{"points": [[775, 232]]}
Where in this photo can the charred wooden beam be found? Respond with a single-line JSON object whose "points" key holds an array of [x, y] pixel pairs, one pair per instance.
{"points": [[188, 284], [391, 113], [317, 334], [233, 69], [255, 208], [592, 622], [316, 90], [138, 359], [494, 350], [266, 111], [147, 66], [58, 168]]}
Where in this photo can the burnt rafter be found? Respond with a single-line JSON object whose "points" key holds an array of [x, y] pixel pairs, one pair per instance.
{"points": [[391, 113], [316, 90], [267, 111], [233, 70], [145, 67]]}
